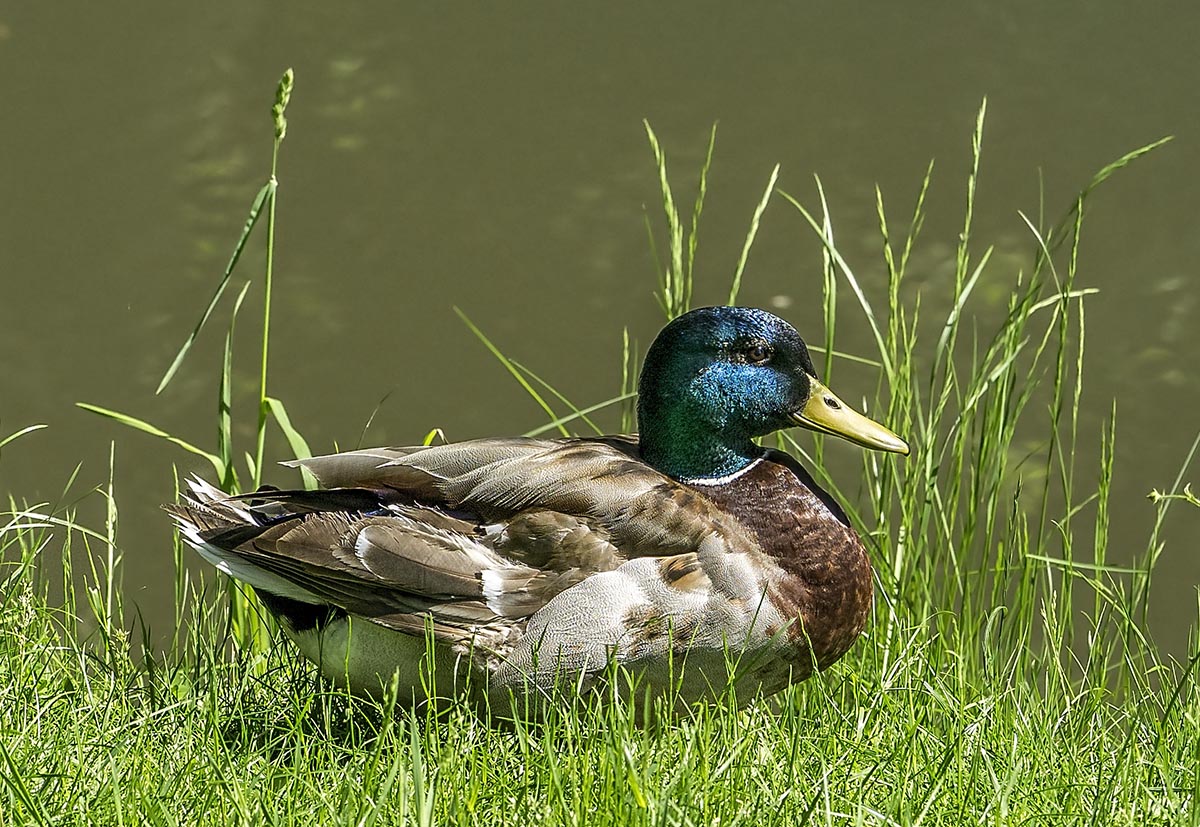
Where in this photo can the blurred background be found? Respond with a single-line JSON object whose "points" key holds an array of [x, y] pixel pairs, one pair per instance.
{"points": [[496, 161]]}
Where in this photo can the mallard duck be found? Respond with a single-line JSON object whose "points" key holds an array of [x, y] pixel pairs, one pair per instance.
{"points": [[688, 554]]}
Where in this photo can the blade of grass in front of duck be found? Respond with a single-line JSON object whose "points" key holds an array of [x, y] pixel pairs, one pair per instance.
{"points": [[580, 414], [180, 580], [576, 412], [828, 309], [829, 280], [245, 623], [283, 94], [295, 440], [755, 220], [512, 369], [362, 435], [229, 480], [628, 383]]}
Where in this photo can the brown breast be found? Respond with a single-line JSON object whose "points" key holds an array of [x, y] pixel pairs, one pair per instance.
{"points": [[824, 579]]}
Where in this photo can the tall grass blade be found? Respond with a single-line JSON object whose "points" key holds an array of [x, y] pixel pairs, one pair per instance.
{"points": [[146, 427], [751, 234], [580, 414], [848, 274], [697, 208], [283, 94], [29, 429], [267, 191], [229, 482], [512, 369], [577, 413], [12, 778], [673, 289], [298, 444]]}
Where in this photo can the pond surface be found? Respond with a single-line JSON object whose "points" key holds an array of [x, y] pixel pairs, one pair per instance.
{"points": [[497, 163]]}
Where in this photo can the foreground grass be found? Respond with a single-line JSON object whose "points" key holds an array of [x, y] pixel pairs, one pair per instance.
{"points": [[917, 729], [1005, 677]]}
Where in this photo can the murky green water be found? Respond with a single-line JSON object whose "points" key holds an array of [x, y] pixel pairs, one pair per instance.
{"points": [[497, 162]]}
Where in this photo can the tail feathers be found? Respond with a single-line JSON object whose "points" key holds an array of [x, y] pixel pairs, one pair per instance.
{"points": [[209, 511]]}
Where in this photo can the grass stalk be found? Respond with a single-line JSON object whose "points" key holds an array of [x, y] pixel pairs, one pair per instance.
{"points": [[283, 94]]}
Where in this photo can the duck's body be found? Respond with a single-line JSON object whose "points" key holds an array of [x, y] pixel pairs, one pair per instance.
{"points": [[689, 557]]}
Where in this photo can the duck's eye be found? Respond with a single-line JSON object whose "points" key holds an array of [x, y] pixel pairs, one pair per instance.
{"points": [[757, 354]]}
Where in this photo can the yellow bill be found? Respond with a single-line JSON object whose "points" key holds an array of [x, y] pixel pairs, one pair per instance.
{"points": [[826, 413]]}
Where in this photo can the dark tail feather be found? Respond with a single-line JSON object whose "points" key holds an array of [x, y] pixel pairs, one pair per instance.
{"points": [[332, 499]]}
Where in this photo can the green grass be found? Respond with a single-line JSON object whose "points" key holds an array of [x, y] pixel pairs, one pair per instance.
{"points": [[1005, 677]]}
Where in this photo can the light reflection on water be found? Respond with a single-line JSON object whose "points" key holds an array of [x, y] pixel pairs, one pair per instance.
{"points": [[498, 164]]}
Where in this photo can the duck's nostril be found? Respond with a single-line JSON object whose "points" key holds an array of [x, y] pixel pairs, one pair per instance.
{"points": [[833, 403]]}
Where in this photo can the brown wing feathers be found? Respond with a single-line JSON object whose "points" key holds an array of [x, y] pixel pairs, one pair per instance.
{"points": [[470, 532]]}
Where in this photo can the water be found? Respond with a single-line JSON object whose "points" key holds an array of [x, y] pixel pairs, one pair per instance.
{"points": [[497, 163]]}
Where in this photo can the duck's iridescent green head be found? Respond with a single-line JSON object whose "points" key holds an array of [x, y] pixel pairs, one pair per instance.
{"points": [[717, 377]]}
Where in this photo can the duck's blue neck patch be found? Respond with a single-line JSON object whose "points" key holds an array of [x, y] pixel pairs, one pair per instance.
{"points": [[705, 395]]}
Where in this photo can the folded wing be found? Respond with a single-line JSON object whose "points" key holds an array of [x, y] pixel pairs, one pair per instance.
{"points": [[470, 535]]}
